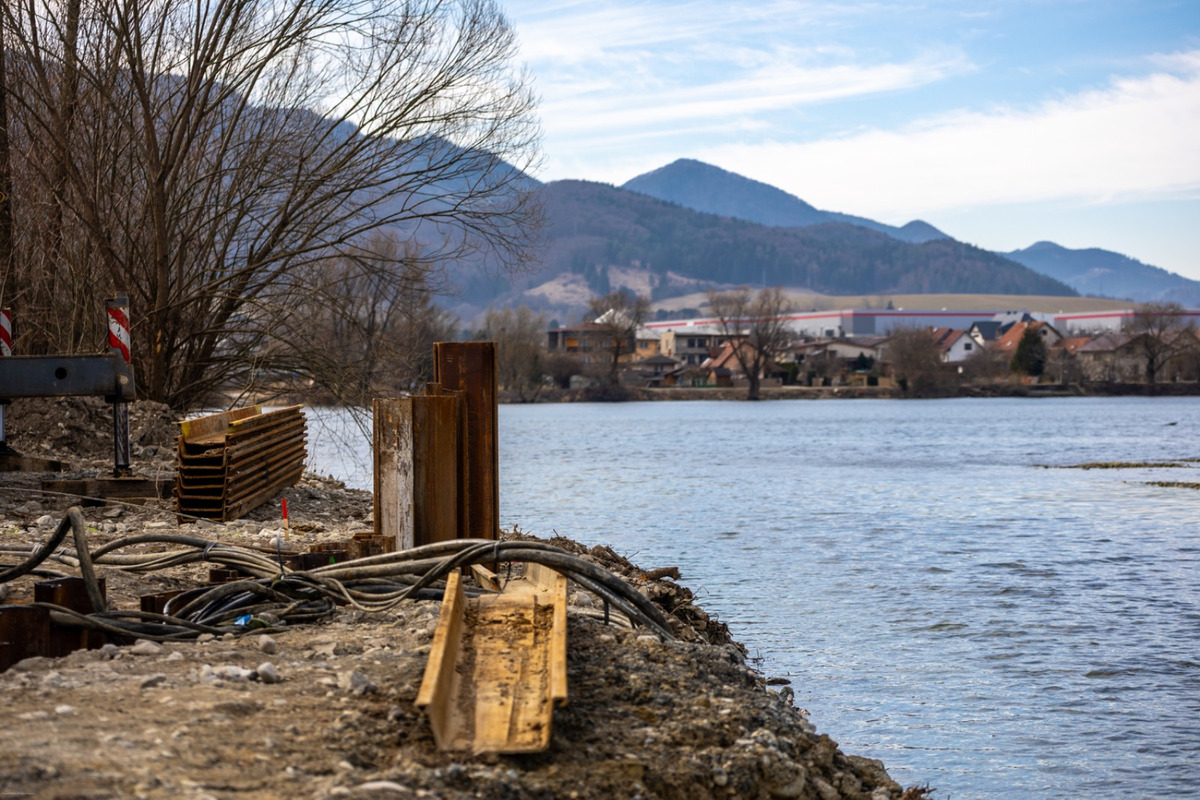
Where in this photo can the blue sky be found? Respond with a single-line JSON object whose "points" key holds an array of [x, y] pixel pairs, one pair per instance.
{"points": [[1002, 123]]}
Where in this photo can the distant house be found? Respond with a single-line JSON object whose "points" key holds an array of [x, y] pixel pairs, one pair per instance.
{"points": [[726, 362], [650, 372], [984, 331], [955, 345], [1008, 341], [1072, 344], [649, 344], [1122, 357], [691, 345], [1112, 357], [590, 342]]}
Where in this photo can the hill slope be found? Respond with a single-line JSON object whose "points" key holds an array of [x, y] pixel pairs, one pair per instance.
{"points": [[592, 228], [1102, 272], [703, 187]]}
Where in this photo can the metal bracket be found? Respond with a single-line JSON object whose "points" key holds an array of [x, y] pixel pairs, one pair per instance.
{"points": [[60, 376]]}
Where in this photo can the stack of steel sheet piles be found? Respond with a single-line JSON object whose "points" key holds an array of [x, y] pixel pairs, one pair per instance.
{"points": [[232, 462]]}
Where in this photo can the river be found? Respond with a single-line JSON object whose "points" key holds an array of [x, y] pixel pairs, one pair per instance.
{"points": [[943, 590]]}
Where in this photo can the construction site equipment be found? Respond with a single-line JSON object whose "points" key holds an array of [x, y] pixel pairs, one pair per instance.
{"points": [[469, 368], [234, 461], [435, 454], [109, 376], [498, 665]]}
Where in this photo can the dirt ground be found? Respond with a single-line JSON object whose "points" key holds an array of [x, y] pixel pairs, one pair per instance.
{"points": [[327, 710]]}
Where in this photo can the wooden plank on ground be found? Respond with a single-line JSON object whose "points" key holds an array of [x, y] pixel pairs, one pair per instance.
{"points": [[498, 667]]}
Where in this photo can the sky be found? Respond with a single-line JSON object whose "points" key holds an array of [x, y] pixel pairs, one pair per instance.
{"points": [[1001, 123]]}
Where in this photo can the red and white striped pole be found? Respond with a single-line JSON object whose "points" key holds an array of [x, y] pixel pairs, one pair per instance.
{"points": [[117, 309], [5, 352], [5, 332]]}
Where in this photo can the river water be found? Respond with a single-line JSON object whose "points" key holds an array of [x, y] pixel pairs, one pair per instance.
{"points": [[941, 592]]}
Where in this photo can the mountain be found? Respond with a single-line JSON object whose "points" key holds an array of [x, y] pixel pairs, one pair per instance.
{"points": [[703, 187], [1093, 271], [599, 237]]}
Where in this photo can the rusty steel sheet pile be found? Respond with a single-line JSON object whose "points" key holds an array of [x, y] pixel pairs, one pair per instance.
{"points": [[233, 462]]}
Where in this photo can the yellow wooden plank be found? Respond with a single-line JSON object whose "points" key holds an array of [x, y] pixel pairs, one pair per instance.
{"points": [[213, 425], [508, 672], [439, 688], [558, 643]]}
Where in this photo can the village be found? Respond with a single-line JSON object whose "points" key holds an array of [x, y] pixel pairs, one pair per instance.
{"points": [[912, 351]]}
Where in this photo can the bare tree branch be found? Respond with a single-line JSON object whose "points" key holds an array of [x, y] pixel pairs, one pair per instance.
{"points": [[212, 156]]}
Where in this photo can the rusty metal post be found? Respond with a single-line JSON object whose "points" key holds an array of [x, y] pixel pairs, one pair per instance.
{"points": [[416, 467], [70, 593], [117, 309], [463, 479], [391, 439], [470, 367], [26, 630]]}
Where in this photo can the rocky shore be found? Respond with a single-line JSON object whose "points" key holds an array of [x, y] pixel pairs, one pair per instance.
{"points": [[326, 710]]}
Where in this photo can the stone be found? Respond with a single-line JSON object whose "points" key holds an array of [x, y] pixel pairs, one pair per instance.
{"points": [[145, 647], [152, 681], [65, 710], [232, 672], [44, 521], [355, 682], [267, 645], [384, 789], [825, 790], [267, 673]]}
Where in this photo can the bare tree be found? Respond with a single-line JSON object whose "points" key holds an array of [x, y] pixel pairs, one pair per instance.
{"points": [[212, 157], [753, 324], [916, 361], [1162, 332], [620, 313], [520, 350]]}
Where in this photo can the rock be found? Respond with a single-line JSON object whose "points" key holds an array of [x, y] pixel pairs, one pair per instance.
{"points": [[152, 681], [825, 790], [232, 672], [384, 789], [29, 508], [65, 710], [267, 673], [145, 647], [44, 521], [355, 682], [158, 523], [112, 513], [267, 645], [53, 680]]}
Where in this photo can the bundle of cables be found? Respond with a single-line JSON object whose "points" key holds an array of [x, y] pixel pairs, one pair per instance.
{"points": [[271, 595]]}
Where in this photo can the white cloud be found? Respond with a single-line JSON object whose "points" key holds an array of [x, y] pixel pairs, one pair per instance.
{"points": [[1134, 138]]}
